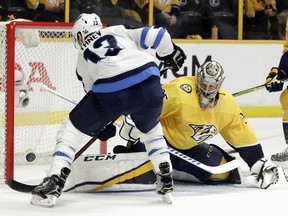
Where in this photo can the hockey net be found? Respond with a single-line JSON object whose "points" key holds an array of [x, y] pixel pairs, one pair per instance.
{"points": [[32, 129]]}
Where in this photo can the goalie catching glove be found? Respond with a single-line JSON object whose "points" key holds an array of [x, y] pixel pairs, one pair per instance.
{"points": [[175, 60], [270, 176], [275, 80]]}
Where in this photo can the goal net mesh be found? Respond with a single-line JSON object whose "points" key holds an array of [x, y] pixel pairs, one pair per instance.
{"points": [[32, 128]]}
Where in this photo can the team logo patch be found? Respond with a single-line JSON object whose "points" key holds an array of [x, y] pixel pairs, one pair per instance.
{"points": [[186, 87], [203, 132]]}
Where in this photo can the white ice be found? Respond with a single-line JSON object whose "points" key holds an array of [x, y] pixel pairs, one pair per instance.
{"points": [[187, 199]]}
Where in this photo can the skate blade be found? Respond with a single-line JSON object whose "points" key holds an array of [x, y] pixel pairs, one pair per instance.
{"points": [[49, 202], [167, 198]]}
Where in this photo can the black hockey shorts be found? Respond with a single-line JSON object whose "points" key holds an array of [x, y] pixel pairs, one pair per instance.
{"points": [[143, 102]]}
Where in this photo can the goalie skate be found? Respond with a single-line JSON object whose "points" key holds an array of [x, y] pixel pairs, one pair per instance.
{"points": [[165, 183]]}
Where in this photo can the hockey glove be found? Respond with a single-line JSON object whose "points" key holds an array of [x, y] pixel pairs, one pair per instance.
{"points": [[108, 132], [175, 60], [274, 80], [270, 176]]}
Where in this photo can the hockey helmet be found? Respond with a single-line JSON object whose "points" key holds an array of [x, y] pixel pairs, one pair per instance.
{"points": [[210, 77], [84, 25]]}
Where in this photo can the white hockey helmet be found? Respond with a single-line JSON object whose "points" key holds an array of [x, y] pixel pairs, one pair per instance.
{"points": [[84, 25], [210, 77]]}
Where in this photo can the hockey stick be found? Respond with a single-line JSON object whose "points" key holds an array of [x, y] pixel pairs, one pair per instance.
{"points": [[231, 165], [236, 94], [47, 89], [256, 88]]}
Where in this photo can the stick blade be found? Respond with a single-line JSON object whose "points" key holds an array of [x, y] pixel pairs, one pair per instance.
{"points": [[20, 187]]}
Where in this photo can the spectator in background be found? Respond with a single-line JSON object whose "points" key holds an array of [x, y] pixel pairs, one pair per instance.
{"points": [[46, 10], [282, 9], [261, 21], [3, 10], [167, 14], [221, 14], [111, 12]]}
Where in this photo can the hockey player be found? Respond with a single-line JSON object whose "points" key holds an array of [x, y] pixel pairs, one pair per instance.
{"points": [[120, 77], [274, 83], [196, 109]]}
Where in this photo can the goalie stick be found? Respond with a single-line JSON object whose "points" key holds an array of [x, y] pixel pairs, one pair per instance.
{"points": [[231, 165]]}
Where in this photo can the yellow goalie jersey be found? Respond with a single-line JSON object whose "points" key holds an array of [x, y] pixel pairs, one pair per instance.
{"points": [[185, 124]]}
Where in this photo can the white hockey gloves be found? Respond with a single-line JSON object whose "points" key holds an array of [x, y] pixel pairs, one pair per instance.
{"points": [[270, 176], [175, 60], [275, 80]]}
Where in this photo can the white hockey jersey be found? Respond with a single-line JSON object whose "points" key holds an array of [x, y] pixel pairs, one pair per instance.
{"points": [[117, 57]]}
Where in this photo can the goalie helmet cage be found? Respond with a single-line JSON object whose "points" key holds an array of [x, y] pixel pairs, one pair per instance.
{"points": [[33, 128]]}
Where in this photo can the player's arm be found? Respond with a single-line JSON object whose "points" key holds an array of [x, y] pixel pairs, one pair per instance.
{"points": [[277, 75], [158, 39]]}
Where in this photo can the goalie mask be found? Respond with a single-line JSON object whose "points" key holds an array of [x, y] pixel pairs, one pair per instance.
{"points": [[83, 26], [210, 77]]}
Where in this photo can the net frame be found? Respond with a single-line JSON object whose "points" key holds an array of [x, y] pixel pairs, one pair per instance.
{"points": [[8, 79]]}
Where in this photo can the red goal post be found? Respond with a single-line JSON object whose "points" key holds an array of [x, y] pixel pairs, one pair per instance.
{"points": [[32, 128]]}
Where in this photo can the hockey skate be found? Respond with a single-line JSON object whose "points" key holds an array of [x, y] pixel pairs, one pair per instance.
{"points": [[165, 183], [50, 189], [281, 158]]}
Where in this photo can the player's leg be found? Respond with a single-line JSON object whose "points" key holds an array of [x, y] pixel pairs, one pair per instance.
{"points": [[282, 157], [146, 119], [88, 117]]}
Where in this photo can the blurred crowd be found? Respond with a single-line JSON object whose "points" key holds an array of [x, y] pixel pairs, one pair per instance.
{"points": [[196, 19]]}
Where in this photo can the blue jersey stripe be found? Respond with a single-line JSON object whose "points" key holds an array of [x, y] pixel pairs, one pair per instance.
{"points": [[126, 82], [158, 38]]}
